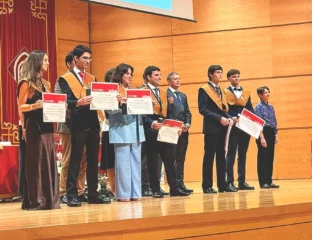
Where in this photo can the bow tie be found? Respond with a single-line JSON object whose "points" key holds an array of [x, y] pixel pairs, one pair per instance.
{"points": [[237, 89]]}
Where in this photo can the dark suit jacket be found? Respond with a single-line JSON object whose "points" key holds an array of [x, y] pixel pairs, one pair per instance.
{"points": [[82, 118], [235, 110], [179, 111], [211, 112]]}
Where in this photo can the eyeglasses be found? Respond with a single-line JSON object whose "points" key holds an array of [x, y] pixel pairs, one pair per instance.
{"points": [[86, 59]]}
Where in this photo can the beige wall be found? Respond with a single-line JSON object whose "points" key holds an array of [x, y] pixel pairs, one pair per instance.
{"points": [[268, 40]]}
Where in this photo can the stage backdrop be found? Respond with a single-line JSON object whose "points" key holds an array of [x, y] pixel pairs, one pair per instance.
{"points": [[25, 25]]}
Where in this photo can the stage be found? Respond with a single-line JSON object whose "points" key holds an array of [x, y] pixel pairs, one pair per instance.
{"points": [[284, 213]]}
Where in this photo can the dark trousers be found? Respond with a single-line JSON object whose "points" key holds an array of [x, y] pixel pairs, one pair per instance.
{"points": [[22, 156], [180, 153], [90, 139], [265, 156], [144, 168], [165, 150], [239, 142], [214, 145]]}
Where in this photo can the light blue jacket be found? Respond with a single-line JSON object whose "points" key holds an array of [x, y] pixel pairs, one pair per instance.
{"points": [[125, 128]]}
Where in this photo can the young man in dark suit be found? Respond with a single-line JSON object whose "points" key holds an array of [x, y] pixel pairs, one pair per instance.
{"points": [[152, 123], [213, 106], [64, 132], [237, 98], [178, 109], [84, 128]]}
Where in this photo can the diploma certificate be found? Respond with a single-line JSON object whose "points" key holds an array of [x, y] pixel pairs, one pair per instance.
{"points": [[250, 123], [54, 107], [139, 101], [169, 131], [104, 96]]}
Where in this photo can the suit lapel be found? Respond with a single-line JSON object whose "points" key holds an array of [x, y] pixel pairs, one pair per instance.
{"points": [[176, 101], [158, 99]]}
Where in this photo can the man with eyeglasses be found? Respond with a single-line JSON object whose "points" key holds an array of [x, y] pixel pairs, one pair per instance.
{"points": [[237, 98], [84, 128], [63, 130]]}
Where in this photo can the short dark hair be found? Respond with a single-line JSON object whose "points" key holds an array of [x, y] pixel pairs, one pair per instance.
{"points": [[149, 70], [109, 75], [81, 49], [69, 58], [212, 69], [260, 90], [120, 70], [232, 72]]}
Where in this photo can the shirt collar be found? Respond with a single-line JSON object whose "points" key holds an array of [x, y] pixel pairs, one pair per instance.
{"points": [[213, 84], [267, 104], [151, 86], [172, 89], [77, 71]]}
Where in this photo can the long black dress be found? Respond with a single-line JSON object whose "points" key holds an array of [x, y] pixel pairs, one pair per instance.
{"points": [[41, 188]]}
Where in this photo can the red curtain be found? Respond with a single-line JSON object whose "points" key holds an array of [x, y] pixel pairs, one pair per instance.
{"points": [[25, 25]]}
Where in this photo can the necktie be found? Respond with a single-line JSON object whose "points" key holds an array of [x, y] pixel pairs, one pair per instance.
{"points": [[237, 89], [219, 91], [156, 90], [178, 97], [82, 75]]}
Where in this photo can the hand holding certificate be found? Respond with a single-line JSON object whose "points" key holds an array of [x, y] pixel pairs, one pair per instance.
{"points": [[169, 132], [250, 123], [54, 107], [139, 101], [104, 96]]}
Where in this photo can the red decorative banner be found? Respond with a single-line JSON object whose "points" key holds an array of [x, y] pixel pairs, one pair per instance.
{"points": [[25, 25]]}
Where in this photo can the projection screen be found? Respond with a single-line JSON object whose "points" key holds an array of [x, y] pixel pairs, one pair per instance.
{"points": [[181, 9]]}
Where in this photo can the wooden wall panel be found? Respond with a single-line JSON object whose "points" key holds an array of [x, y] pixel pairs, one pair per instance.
{"points": [[72, 20], [64, 47], [290, 11], [291, 50], [292, 156], [192, 54], [215, 15], [110, 24], [138, 53]]}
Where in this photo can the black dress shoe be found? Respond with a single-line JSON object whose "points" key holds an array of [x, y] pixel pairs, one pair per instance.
{"points": [[229, 188], [147, 193], [74, 202], [99, 200], [245, 186], [83, 198], [64, 199], [183, 188], [164, 193], [209, 191], [178, 193], [158, 195], [265, 186], [272, 185]]}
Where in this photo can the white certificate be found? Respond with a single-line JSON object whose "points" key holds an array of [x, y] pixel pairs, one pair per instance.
{"points": [[104, 96], [54, 107], [139, 101], [169, 131], [250, 123]]}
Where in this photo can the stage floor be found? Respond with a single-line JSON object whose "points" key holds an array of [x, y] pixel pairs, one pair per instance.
{"points": [[193, 215]]}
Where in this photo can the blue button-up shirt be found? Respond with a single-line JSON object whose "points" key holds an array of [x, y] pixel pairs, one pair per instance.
{"points": [[267, 113]]}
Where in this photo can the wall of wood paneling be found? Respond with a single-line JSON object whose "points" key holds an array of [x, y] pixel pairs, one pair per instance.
{"points": [[72, 28], [268, 40]]}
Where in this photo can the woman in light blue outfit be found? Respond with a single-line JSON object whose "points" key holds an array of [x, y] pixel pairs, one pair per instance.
{"points": [[127, 134]]}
